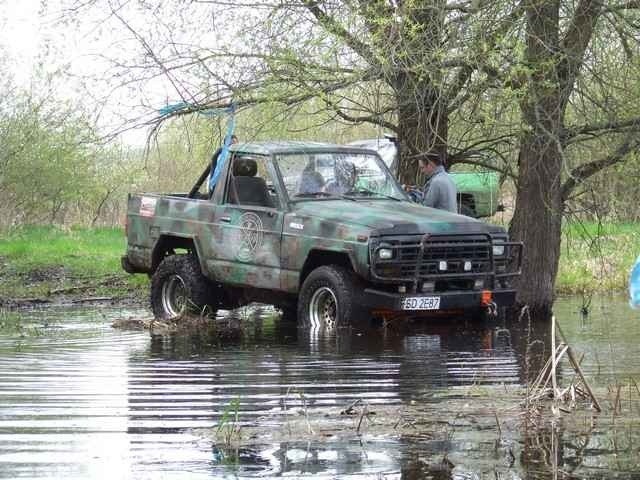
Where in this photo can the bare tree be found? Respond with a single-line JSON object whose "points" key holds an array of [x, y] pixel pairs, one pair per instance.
{"points": [[405, 66]]}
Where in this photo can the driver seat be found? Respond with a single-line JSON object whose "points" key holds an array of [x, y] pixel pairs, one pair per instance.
{"points": [[246, 188]]}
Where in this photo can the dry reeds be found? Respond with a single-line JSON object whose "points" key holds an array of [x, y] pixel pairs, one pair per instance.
{"points": [[546, 385]]}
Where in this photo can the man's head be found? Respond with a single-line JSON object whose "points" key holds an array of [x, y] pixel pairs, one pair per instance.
{"points": [[234, 139], [429, 163]]}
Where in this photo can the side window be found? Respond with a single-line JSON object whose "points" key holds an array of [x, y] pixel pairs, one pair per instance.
{"points": [[251, 182]]}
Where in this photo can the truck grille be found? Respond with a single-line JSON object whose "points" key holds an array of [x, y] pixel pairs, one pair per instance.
{"points": [[472, 250]]}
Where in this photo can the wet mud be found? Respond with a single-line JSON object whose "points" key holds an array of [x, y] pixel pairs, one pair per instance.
{"points": [[434, 399]]}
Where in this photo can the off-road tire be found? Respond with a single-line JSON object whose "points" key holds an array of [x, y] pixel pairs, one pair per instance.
{"points": [[339, 283], [184, 269]]}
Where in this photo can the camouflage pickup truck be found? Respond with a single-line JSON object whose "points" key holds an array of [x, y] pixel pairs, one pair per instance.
{"points": [[322, 231]]}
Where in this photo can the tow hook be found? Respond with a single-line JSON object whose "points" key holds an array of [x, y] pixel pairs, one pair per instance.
{"points": [[492, 309]]}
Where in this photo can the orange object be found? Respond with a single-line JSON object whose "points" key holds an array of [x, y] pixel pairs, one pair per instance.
{"points": [[485, 298]]}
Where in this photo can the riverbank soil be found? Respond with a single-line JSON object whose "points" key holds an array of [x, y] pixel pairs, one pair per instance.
{"points": [[46, 265]]}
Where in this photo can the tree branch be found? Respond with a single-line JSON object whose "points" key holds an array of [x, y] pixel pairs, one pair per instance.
{"points": [[152, 54], [333, 27], [598, 128], [575, 43], [586, 170], [505, 170], [468, 68], [628, 5], [286, 98], [374, 118]]}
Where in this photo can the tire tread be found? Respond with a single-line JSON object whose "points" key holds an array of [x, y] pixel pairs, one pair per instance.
{"points": [[188, 267], [347, 292]]}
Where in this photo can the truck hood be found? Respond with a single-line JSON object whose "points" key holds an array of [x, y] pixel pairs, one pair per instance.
{"points": [[389, 217]]}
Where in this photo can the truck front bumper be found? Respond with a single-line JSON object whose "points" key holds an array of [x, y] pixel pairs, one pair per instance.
{"points": [[456, 300]]}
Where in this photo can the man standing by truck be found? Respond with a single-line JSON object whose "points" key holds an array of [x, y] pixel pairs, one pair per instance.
{"points": [[439, 191]]}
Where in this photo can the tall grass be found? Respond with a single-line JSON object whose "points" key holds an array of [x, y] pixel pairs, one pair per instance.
{"points": [[597, 257]]}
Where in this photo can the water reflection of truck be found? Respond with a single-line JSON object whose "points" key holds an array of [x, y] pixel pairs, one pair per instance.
{"points": [[477, 191]]}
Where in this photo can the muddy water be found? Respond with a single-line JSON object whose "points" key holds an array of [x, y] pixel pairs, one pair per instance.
{"points": [[79, 399]]}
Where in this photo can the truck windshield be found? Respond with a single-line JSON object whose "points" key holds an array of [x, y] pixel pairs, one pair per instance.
{"points": [[309, 176]]}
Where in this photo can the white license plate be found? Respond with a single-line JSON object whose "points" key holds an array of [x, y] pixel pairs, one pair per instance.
{"points": [[420, 303]]}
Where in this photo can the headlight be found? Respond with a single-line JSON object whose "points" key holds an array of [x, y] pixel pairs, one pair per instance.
{"points": [[385, 254], [498, 250]]}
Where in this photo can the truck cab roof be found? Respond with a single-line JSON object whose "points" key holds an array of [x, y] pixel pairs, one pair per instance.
{"points": [[290, 147]]}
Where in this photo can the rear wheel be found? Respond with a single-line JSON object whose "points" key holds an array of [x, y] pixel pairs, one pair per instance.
{"points": [[329, 299], [178, 286]]}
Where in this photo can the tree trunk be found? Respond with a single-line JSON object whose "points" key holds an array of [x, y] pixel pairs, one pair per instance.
{"points": [[537, 222], [422, 127], [537, 218]]}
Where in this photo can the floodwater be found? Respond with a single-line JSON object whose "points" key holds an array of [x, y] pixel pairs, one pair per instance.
{"points": [[80, 399]]}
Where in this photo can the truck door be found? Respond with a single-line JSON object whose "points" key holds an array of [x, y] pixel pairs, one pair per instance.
{"points": [[249, 222]]}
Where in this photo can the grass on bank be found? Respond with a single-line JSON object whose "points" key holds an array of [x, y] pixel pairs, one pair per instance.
{"points": [[38, 261], [597, 257]]}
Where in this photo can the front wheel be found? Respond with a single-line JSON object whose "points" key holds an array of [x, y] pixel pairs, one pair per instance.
{"points": [[178, 286], [329, 299]]}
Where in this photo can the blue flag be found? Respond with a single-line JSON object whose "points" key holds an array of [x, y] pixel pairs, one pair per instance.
{"points": [[634, 285], [224, 152]]}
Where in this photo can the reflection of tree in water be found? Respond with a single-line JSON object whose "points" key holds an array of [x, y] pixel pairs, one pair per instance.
{"points": [[580, 445], [438, 356], [190, 379], [531, 340], [416, 469], [554, 452], [577, 444], [421, 360]]}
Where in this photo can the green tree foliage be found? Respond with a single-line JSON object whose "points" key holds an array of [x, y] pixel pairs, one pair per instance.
{"points": [[46, 164], [404, 66]]}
